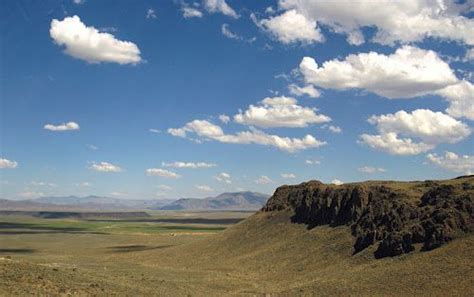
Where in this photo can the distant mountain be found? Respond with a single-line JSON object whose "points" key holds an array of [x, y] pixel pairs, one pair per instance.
{"points": [[89, 202], [225, 201]]}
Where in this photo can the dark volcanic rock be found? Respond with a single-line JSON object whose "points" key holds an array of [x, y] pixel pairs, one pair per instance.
{"points": [[396, 216]]}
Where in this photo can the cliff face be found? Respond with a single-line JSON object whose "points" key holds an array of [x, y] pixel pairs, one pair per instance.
{"points": [[394, 215]]}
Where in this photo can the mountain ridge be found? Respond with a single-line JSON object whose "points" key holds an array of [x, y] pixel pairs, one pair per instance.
{"points": [[245, 200]]}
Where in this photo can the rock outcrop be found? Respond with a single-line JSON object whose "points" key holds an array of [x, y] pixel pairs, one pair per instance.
{"points": [[394, 215]]}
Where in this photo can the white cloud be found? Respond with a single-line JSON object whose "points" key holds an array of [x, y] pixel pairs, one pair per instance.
{"points": [[204, 188], [162, 173], [7, 164], [280, 112], [309, 90], [221, 6], [288, 175], [263, 180], [469, 55], [461, 99], [453, 162], [70, 126], [83, 184], [409, 72], [370, 169], [209, 131], [224, 118], [229, 34], [223, 177], [164, 187], [92, 147], [150, 13], [291, 27], [79, 1], [336, 182], [192, 165], [269, 10], [431, 128], [154, 130], [105, 167], [117, 194], [43, 184], [390, 143], [190, 12], [88, 44], [333, 129], [312, 162], [394, 21]]}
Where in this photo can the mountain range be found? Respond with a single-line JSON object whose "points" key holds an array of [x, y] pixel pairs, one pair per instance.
{"points": [[225, 201]]}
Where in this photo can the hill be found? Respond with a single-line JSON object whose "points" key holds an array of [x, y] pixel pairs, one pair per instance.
{"points": [[224, 201], [64, 203]]}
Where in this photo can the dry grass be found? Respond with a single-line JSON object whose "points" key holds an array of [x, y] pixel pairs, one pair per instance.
{"points": [[262, 255]]}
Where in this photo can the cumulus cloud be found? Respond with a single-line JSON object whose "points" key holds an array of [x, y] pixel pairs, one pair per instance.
{"points": [[192, 165], [263, 180], [288, 175], [220, 6], [204, 188], [223, 177], [150, 13], [453, 162], [400, 21], [90, 45], [162, 173], [391, 143], [69, 126], [209, 131], [280, 112], [308, 90], [333, 129], [409, 72], [312, 162], [105, 167], [7, 164], [336, 182], [370, 169], [461, 99], [291, 27], [224, 118], [190, 12], [83, 184], [431, 128]]}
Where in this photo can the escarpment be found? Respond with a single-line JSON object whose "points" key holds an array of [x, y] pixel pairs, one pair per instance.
{"points": [[395, 216]]}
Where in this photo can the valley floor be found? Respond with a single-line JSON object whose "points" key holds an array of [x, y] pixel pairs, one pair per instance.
{"points": [[265, 254]]}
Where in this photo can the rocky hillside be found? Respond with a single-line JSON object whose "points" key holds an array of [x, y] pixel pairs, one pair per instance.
{"points": [[224, 201], [398, 217]]}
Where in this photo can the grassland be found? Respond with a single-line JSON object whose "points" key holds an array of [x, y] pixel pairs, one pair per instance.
{"points": [[265, 254]]}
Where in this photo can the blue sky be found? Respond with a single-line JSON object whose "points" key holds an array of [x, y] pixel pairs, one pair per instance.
{"points": [[126, 99]]}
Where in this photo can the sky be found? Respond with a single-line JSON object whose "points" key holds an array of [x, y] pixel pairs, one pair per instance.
{"points": [[170, 99]]}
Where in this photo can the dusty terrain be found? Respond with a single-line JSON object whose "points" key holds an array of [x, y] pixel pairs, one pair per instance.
{"points": [[268, 253]]}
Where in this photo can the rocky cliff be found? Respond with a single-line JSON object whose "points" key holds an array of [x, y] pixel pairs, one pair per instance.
{"points": [[395, 216]]}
